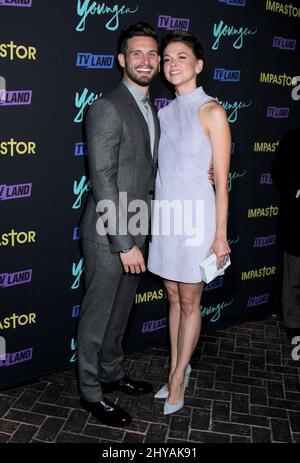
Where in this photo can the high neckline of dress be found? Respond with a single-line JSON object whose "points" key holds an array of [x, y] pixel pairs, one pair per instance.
{"points": [[190, 97]]}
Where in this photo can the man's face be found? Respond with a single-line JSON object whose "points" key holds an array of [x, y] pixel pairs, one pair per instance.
{"points": [[141, 60]]}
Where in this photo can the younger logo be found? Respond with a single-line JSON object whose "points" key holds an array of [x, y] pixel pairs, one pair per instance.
{"points": [[169, 23], [90, 61], [222, 30]]}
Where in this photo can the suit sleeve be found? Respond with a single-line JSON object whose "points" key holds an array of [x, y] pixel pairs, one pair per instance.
{"points": [[104, 134]]}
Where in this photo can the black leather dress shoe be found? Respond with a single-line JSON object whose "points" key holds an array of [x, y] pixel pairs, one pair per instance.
{"points": [[107, 412], [128, 386]]}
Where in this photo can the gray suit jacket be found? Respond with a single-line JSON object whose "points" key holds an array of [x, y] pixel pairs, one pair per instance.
{"points": [[120, 160]]}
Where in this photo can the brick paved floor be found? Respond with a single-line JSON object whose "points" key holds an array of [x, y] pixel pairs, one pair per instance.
{"points": [[244, 387]]}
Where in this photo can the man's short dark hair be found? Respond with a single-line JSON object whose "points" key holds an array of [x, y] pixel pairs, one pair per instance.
{"points": [[139, 29]]}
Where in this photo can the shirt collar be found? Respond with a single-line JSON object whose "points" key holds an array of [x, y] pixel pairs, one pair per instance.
{"points": [[136, 93]]}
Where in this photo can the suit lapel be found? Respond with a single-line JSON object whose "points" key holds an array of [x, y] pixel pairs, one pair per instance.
{"points": [[157, 134]]}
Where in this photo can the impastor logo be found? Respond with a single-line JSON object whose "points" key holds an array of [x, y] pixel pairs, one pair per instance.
{"points": [[233, 108], [80, 149], [283, 8], [161, 103], [17, 357], [15, 97], [270, 211], [83, 100], [13, 279], [13, 238], [266, 179], [234, 2], [90, 61], [169, 23], [148, 296], [266, 146], [154, 325], [12, 51], [277, 79], [215, 311], [8, 192], [259, 273], [222, 30], [15, 321], [12, 147], [275, 112], [26, 3], [86, 8], [284, 44], [263, 241], [258, 300], [227, 75]]}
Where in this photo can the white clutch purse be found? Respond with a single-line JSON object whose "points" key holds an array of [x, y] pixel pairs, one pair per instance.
{"points": [[209, 270]]}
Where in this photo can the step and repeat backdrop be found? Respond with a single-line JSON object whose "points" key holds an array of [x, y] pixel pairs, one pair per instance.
{"points": [[56, 58]]}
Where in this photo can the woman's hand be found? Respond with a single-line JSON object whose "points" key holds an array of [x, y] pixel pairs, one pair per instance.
{"points": [[222, 250]]}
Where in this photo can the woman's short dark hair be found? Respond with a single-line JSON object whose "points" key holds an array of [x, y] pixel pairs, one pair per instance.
{"points": [[139, 29], [191, 40]]}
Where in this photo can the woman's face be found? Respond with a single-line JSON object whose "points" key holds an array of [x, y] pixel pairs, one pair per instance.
{"points": [[181, 66]]}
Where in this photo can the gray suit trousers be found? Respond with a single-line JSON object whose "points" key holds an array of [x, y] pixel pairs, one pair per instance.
{"points": [[104, 314], [291, 291]]}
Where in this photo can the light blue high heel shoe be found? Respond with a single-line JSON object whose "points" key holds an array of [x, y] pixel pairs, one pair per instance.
{"points": [[163, 393], [172, 408]]}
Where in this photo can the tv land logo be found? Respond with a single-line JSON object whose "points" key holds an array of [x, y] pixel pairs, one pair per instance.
{"points": [[79, 189], [233, 2], [266, 179], [160, 103], [77, 271], [80, 149], [90, 61], [13, 147], [154, 325], [263, 241], [23, 3], [258, 300], [227, 75], [275, 112], [284, 44], [13, 279], [215, 284], [15, 97], [215, 312], [10, 192], [76, 234], [12, 51], [17, 357], [233, 109], [85, 8], [172, 24], [75, 311], [82, 101], [238, 33]]}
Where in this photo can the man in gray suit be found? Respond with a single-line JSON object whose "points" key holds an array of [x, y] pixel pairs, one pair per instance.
{"points": [[122, 135]]}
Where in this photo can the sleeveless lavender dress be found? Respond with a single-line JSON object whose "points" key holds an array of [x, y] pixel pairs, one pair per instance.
{"points": [[184, 157]]}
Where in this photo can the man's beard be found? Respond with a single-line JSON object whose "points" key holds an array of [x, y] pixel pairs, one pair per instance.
{"points": [[142, 81]]}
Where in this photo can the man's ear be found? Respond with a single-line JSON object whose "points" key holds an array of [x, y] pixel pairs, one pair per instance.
{"points": [[121, 59]]}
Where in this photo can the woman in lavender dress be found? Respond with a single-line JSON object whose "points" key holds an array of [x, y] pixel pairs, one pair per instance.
{"points": [[191, 220]]}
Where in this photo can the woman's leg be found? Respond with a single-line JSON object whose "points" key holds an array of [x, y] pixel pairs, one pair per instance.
{"points": [[188, 335], [174, 316]]}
